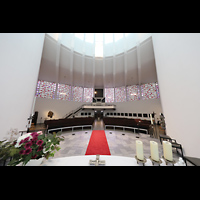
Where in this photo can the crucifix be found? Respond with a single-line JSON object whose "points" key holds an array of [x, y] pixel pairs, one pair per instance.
{"points": [[97, 162]]}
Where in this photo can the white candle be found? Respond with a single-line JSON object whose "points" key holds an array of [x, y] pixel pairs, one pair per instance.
{"points": [[154, 150], [167, 150], [139, 150], [151, 119]]}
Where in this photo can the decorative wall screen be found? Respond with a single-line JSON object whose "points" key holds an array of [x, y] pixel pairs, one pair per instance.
{"points": [[133, 93], [63, 92], [77, 93], [109, 95], [120, 94], [149, 91], [88, 95], [46, 89]]}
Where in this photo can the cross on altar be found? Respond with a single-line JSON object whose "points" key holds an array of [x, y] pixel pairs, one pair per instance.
{"points": [[97, 162]]}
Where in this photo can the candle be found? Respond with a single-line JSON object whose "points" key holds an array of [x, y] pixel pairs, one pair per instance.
{"points": [[139, 150], [167, 150], [154, 150], [151, 119]]}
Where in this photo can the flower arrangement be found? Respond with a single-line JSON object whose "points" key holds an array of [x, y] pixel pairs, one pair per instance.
{"points": [[32, 146]]}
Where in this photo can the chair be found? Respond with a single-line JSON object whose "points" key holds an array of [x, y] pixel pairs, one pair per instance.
{"points": [[164, 137], [177, 146], [174, 144]]}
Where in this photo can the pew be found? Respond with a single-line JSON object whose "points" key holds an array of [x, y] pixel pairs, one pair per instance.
{"points": [[58, 123], [136, 123]]}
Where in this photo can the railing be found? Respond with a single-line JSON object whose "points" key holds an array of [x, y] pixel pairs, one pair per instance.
{"points": [[127, 127], [72, 127]]}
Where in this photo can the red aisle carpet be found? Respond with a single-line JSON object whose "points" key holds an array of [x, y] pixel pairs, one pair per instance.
{"points": [[98, 144]]}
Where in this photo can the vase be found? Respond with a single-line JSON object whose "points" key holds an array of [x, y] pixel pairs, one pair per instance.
{"points": [[35, 162]]}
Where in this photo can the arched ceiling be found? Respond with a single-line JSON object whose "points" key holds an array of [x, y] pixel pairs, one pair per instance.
{"points": [[64, 65]]}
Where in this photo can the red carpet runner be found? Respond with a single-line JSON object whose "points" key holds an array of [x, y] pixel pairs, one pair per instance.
{"points": [[98, 144]]}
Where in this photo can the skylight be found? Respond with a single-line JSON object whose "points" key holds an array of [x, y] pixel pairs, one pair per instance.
{"points": [[108, 38], [89, 37], [100, 44]]}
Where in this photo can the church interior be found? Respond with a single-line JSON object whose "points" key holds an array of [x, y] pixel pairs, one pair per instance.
{"points": [[100, 99]]}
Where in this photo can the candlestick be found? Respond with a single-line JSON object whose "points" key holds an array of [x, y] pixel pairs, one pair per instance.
{"points": [[139, 150], [167, 150], [154, 150]]}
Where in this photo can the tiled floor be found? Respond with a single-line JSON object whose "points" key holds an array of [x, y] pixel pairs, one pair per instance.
{"points": [[120, 145]]}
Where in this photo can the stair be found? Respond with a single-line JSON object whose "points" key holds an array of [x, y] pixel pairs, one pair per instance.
{"points": [[73, 112]]}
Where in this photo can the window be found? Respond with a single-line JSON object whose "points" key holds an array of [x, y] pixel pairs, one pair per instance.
{"points": [[46, 89], [120, 94], [108, 38], [145, 115], [133, 93], [99, 45], [77, 93], [118, 36], [149, 91], [79, 35], [89, 37], [109, 95], [99, 49], [63, 92], [88, 94]]}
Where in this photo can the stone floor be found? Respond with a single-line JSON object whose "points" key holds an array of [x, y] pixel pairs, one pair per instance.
{"points": [[120, 145]]}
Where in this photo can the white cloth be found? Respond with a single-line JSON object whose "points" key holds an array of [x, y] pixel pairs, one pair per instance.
{"points": [[110, 161]]}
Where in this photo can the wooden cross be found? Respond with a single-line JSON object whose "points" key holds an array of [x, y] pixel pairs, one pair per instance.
{"points": [[97, 162]]}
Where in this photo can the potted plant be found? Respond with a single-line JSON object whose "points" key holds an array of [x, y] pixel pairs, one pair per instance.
{"points": [[32, 147]]}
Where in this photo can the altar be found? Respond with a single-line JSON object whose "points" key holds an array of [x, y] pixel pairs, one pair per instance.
{"points": [[109, 161]]}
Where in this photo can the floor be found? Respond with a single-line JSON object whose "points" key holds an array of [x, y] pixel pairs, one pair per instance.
{"points": [[120, 145]]}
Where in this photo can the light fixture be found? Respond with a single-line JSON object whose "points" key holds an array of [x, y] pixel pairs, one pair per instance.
{"points": [[95, 92], [50, 114]]}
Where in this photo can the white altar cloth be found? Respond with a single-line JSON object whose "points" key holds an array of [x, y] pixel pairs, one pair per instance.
{"points": [[110, 161]]}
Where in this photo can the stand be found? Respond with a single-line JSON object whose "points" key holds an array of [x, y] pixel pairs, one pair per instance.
{"points": [[168, 161], [97, 162], [141, 161], [154, 161]]}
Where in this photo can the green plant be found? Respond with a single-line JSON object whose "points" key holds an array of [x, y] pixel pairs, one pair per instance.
{"points": [[31, 146]]}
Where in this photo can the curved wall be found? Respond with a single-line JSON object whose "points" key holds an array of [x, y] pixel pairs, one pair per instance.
{"points": [[177, 62], [64, 65], [20, 56]]}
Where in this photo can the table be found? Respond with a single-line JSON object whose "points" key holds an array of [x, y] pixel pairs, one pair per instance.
{"points": [[109, 160]]}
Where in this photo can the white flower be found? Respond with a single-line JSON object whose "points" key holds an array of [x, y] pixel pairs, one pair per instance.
{"points": [[22, 138], [13, 134]]}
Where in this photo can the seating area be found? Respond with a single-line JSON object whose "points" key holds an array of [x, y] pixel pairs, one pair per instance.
{"points": [[137, 123], [69, 122]]}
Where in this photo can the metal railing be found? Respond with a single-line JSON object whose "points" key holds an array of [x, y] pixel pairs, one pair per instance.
{"points": [[69, 127], [127, 127]]}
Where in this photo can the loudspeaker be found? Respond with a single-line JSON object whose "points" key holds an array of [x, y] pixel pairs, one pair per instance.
{"points": [[35, 116]]}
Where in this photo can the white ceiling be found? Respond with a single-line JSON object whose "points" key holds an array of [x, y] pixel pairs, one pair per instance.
{"points": [[64, 65]]}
